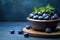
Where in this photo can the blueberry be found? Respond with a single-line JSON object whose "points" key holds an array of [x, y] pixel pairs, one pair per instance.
{"points": [[40, 13], [28, 27], [54, 16], [31, 15], [45, 14], [46, 17], [40, 18], [20, 32], [35, 17], [26, 34], [48, 30], [36, 13], [46, 11], [12, 31]]}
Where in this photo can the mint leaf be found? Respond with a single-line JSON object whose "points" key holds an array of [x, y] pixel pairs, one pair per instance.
{"points": [[35, 9], [33, 12], [49, 7], [42, 8]]}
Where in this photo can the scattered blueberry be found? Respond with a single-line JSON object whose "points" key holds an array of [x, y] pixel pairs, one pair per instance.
{"points": [[28, 27], [48, 30], [12, 31], [31, 15], [35, 17], [20, 32], [26, 34]]}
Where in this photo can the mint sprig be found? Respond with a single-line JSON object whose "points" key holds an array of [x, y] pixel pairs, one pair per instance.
{"points": [[48, 7], [35, 9]]}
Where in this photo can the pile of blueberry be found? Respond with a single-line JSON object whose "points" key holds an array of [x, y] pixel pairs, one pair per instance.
{"points": [[44, 14]]}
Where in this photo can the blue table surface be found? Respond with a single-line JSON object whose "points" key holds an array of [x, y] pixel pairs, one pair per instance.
{"points": [[5, 31]]}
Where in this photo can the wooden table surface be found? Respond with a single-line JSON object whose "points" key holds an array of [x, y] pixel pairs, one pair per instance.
{"points": [[5, 31]]}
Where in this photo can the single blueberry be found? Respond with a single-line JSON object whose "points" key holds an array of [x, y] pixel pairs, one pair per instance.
{"points": [[48, 30], [54, 16], [31, 15], [46, 17], [36, 13], [26, 34], [20, 32], [40, 18], [45, 14], [12, 31], [35, 17], [46, 11], [40, 13], [28, 27]]}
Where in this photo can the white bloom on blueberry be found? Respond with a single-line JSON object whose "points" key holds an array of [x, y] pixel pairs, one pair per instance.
{"points": [[31, 15], [46, 18], [54, 16], [40, 17], [35, 17]]}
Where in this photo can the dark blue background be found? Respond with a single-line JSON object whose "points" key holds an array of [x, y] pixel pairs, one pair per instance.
{"points": [[18, 10]]}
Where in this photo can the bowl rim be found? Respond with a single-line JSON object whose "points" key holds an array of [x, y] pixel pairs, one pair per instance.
{"points": [[29, 19]]}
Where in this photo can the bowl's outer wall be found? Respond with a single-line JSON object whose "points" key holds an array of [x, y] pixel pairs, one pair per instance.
{"points": [[42, 25]]}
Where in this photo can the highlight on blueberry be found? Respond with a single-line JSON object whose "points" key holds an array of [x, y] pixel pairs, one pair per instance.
{"points": [[46, 17], [35, 17], [40, 18], [54, 16], [31, 15]]}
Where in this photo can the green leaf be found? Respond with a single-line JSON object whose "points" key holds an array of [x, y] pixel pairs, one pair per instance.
{"points": [[35, 9], [42, 8], [49, 7], [33, 12]]}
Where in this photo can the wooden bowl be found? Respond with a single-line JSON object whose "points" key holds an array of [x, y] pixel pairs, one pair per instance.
{"points": [[41, 25]]}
